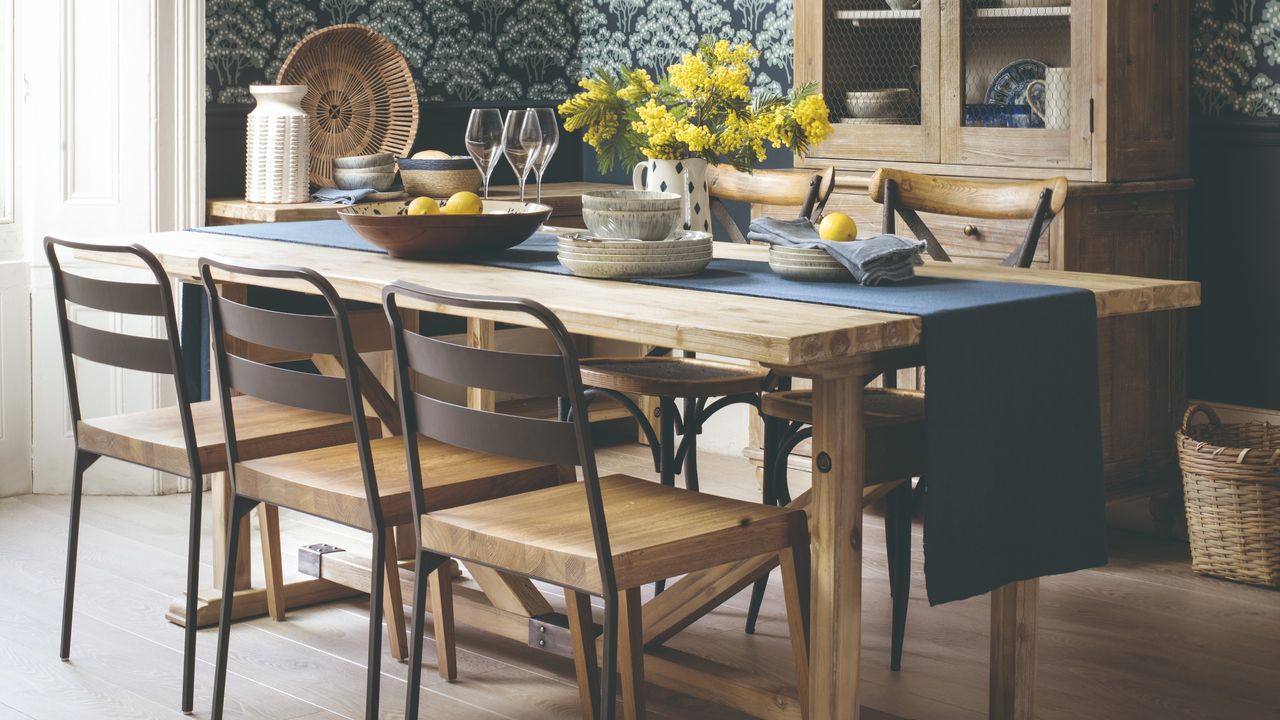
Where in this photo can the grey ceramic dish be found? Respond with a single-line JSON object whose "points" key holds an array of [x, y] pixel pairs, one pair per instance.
{"points": [[630, 269], [640, 214], [359, 179], [363, 162], [810, 264]]}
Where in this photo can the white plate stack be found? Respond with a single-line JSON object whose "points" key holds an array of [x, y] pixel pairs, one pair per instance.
{"points": [[277, 162], [683, 254]]}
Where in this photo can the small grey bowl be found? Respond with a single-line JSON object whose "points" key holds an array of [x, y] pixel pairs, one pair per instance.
{"points": [[631, 200], [363, 162], [360, 179], [648, 225]]}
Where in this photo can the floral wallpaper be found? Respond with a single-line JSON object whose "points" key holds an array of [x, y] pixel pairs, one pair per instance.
{"points": [[1235, 57], [494, 50]]}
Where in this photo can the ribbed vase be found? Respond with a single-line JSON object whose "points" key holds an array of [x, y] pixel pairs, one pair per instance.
{"points": [[277, 146]]}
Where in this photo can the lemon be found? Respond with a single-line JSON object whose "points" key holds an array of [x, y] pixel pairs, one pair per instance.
{"points": [[432, 155], [837, 227], [423, 206], [464, 203]]}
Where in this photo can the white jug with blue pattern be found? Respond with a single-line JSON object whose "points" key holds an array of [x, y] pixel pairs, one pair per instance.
{"points": [[687, 177]]}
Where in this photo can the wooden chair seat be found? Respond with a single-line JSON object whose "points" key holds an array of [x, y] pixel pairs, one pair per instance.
{"points": [[894, 422], [154, 437], [655, 532], [328, 482], [671, 376]]}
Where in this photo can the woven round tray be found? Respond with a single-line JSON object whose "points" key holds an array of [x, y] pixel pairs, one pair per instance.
{"points": [[360, 95], [1231, 483]]}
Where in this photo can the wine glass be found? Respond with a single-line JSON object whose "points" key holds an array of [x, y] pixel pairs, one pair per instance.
{"points": [[484, 141], [520, 145], [550, 139]]}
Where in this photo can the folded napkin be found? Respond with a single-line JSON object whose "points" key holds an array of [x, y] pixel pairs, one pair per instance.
{"points": [[338, 196], [883, 258]]}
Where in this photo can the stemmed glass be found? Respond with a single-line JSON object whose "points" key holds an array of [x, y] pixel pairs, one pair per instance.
{"points": [[521, 139], [549, 132], [484, 141]]}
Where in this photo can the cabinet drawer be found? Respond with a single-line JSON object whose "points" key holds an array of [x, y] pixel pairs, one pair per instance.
{"points": [[990, 241]]}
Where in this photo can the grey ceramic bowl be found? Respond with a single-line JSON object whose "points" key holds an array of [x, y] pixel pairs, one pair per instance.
{"points": [[363, 162], [640, 214], [359, 179]]}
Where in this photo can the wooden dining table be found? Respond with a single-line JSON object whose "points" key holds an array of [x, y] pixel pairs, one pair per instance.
{"points": [[835, 347]]}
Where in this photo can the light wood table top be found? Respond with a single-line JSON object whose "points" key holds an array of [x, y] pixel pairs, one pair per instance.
{"points": [[564, 198], [775, 332]]}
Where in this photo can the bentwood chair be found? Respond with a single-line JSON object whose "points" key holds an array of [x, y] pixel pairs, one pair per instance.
{"points": [[363, 484], [185, 439], [895, 418], [704, 386], [603, 536]]}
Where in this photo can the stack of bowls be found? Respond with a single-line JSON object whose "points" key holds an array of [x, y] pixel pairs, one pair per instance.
{"points": [[633, 214], [796, 263], [888, 106], [597, 257], [439, 177], [377, 171]]}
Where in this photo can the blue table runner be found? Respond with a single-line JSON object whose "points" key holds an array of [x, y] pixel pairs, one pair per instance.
{"points": [[1015, 488]]}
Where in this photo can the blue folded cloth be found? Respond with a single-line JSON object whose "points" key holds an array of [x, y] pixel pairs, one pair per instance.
{"points": [[883, 258], [338, 196]]}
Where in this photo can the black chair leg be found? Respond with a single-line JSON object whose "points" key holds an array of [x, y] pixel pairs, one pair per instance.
{"points": [[239, 510], [82, 462], [667, 447], [425, 565], [689, 443], [775, 480], [769, 444], [193, 592], [897, 528], [609, 661], [373, 675]]}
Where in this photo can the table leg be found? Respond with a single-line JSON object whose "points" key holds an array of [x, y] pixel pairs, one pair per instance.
{"points": [[1013, 650], [835, 519], [481, 334]]}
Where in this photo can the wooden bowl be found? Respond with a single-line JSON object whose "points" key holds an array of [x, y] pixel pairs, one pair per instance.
{"points": [[503, 224], [439, 178]]}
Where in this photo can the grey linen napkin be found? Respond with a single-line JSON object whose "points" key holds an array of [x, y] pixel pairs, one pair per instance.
{"points": [[338, 196], [883, 258]]}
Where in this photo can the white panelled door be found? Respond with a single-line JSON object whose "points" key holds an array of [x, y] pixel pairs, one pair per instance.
{"points": [[105, 151]]}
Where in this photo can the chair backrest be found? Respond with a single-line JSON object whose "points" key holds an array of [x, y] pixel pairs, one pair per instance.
{"points": [[808, 190], [906, 194], [322, 334], [562, 442], [132, 352]]}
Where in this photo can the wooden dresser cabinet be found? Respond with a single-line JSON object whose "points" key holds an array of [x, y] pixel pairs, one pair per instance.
{"points": [[1112, 117]]}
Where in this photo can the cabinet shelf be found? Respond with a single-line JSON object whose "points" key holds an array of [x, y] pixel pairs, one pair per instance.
{"points": [[857, 17], [1063, 11]]}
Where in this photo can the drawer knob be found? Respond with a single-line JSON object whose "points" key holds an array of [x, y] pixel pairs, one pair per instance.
{"points": [[971, 230]]}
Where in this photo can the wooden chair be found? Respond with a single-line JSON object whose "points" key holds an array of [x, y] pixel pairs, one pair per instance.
{"points": [[694, 380], [185, 440], [602, 536], [895, 418], [363, 484]]}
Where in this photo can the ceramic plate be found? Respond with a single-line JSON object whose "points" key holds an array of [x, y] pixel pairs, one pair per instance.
{"points": [[680, 242], [634, 268], [1009, 87]]}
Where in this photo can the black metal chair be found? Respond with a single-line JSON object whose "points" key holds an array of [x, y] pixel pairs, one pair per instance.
{"points": [[788, 415], [602, 536], [364, 484], [184, 440]]}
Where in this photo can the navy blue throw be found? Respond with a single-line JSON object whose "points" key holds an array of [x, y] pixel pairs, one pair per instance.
{"points": [[1015, 487]]}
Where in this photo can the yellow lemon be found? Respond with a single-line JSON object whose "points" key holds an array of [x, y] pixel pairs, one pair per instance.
{"points": [[837, 227], [423, 206], [464, 203], [432, 155]]}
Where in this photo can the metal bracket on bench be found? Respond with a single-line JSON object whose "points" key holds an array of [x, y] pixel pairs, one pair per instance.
{"points": [[550, 632], [309, 557]]}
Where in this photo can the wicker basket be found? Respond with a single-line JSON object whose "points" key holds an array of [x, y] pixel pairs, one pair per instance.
{"points": [[1231, 478], [361, 97]]}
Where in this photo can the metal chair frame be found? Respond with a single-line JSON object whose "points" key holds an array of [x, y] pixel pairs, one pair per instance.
{"points": [[324, 334], [543, 440], [159, 356]]}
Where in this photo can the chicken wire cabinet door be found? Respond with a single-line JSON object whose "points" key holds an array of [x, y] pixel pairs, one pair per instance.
{"points": [[877, 64], [1017, 83]]}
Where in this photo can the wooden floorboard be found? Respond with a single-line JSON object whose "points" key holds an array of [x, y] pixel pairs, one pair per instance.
{"points": [[1141, 638]]}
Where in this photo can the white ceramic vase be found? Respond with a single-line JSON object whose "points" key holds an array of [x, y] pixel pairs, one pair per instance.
{"points": [[277, 147], [687, 177]]}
